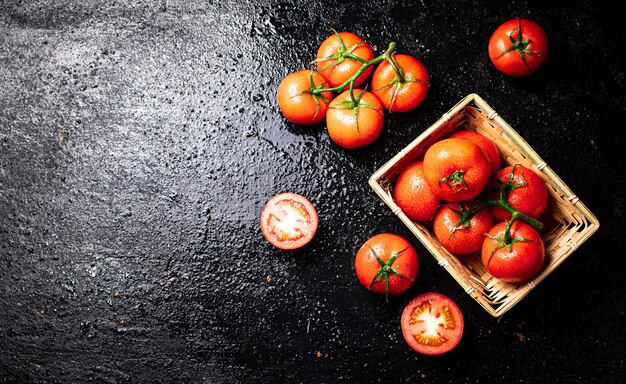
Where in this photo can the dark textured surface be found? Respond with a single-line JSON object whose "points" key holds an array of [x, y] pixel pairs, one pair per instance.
{"points": [[139, 142]]}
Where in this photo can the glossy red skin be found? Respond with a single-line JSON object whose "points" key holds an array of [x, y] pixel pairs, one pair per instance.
{"points": [[301, 108], [340, 73], [384, 245], [531, 199], [511, 62], [411, 94], [488, 146], [342, 124], [453, 335], [449, 155], [413, 195], [273, 207], [522, 262], [461, 241]]}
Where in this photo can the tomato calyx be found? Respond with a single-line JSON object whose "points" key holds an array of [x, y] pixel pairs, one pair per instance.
{"points": [[457, 179], [398, 82], [509, 185], [506, 187], [506, 240], [343, 54], [317, 96], [346, 53], [519, 45], [385, 270], [465, 216], [355, 105]]}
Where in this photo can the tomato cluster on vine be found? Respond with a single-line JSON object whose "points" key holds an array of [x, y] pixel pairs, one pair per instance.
{"points": [[354, 117], [443, 189]]}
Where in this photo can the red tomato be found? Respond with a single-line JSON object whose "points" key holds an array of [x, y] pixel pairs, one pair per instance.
{"points": [[486, 145], [334, 62], [400, 96], [525, 192], [303, 108], [517, 261], [289, 221], [456, 169], [432, 324], [353, 126], [413, 194], [387, 264], [518, 47], [459, 230]]}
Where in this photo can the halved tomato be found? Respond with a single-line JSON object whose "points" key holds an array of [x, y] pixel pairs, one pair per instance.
{"points": [[289, 221], [432, 324]]}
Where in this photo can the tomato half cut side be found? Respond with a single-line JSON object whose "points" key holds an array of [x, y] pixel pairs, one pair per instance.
{"points": [[289, 221], [432, 324]]}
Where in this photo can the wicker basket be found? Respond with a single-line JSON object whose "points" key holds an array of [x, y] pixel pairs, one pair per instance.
{"points": [[568, 223]]}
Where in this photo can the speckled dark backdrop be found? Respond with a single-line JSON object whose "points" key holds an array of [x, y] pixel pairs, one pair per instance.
{"points": [[139, 142]]}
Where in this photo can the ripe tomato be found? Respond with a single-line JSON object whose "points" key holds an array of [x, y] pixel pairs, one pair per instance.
{"points": [[518, 47], [456, 169], [518, 260], [459, 230], [334, 58], [387, 264], [432, 324], [297, 105], [486, 145], [413, 194], [289, 221], [400, 96], [354, 125], [524, 191]]}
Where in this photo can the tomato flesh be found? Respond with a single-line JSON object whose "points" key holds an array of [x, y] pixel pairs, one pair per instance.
{"points": [[289, 221], [432, 324]]}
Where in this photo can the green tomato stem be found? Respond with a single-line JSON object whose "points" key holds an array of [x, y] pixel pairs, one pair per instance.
{"points": [[366, 64]]}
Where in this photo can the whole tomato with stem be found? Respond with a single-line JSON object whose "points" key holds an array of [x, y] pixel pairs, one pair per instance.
{"points": [[342, 55], [456, 169], [518, 47], [488, 146], [522, 189], [400, 83], [354, 118], [461, 226], [386, 263], [297, 101], [413, 195], [513, 252]]}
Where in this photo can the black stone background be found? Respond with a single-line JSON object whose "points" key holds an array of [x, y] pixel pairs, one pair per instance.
{"points": [[140, 140]]}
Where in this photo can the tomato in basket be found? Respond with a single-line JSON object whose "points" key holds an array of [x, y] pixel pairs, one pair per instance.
{"points": [[460, 227], [488, 146], [413, 194], [514, 258], [524, 191], [456, 169]]}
